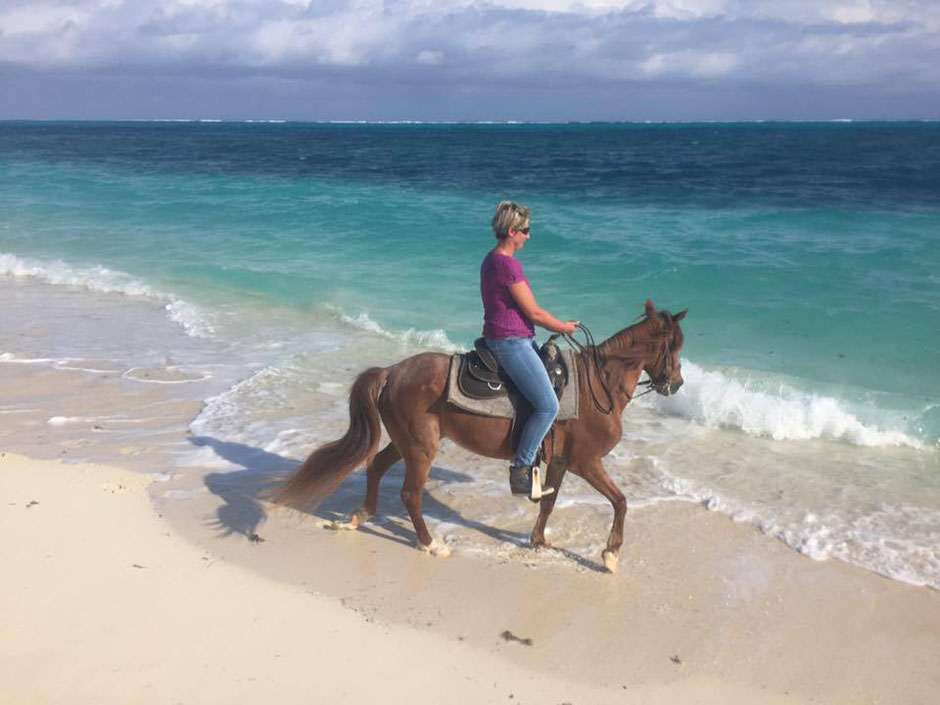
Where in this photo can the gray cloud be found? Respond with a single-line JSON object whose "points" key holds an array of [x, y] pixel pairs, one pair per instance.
{"points": [[445, 53]]}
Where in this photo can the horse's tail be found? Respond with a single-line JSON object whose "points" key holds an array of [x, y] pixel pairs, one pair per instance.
{"points": [[330, 464]]}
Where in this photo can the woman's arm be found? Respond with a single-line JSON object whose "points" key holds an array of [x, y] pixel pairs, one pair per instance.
{"points": [[525, 300]]}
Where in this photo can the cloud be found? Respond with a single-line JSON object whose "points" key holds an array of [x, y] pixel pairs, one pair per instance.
{"points": [[462, 44], [429, 58], [690, 63]]}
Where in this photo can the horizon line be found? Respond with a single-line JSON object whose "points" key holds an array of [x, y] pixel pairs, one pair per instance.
{"points": [[276, 121]]}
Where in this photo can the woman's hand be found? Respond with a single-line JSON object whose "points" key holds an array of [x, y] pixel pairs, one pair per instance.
{"points": [[568, 327]]}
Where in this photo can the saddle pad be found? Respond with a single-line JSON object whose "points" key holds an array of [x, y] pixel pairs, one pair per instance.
{"points": [[502, 406]]}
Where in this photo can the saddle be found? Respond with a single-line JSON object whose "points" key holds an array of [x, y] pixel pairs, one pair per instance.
{"points": [[485, 385], [480, 376]]}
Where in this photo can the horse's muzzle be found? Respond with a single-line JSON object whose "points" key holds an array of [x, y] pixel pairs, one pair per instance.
{"points": [[669, 387]]}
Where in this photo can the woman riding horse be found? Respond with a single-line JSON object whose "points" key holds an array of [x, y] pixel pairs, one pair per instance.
{"points": [[510, 314], [409, 399]]}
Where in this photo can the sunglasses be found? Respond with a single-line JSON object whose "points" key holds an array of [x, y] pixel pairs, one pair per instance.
{"points": [[524, 231]]}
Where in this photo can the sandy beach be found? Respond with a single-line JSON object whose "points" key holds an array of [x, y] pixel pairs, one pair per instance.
{"points": [[128, 580], [104, 604]]}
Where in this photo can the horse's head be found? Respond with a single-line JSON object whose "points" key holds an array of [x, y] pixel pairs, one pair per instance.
{"points": [[664, 369]]}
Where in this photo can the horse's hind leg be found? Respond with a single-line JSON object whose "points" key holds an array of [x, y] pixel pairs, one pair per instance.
{"points": [[383, 460], [554, 476], [417, 435], [417, 467], [593, 471]]}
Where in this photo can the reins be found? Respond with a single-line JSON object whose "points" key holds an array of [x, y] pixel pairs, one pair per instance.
{"points": [[590, 350]]}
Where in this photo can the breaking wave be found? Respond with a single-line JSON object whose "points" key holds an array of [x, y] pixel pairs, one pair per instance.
{"points": [[716, 400], [435, 339], [107, 281]]}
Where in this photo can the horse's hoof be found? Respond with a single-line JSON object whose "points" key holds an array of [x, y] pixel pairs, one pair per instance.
{"points": [[354, 521], [361, 516], [350, 525], [436, 548], [540, 543], [610, 560]]}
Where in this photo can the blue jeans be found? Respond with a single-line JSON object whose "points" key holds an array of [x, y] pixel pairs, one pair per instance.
{"points": [[520, 358]]}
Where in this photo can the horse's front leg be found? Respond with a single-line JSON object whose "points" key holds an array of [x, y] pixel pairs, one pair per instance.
{"points": [[593, 471], [554, 476]]}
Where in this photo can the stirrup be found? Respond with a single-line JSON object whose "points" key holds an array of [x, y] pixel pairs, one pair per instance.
{"points": [[537, 491]]}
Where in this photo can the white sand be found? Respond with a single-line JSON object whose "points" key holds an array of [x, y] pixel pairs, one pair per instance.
{"points": [[102, 604]]}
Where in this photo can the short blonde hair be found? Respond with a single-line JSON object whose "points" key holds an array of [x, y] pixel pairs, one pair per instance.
{"points": [[508, 215]]}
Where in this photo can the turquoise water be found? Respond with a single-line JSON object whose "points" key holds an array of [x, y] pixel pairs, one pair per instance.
{"points": [[806, 253], [804, 250]]}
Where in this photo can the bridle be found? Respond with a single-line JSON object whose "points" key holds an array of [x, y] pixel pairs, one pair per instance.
{"points": [[589, 349], [662, 381]]}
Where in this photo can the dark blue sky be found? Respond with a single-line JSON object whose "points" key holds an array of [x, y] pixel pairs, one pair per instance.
{"points": [[467, 60]]}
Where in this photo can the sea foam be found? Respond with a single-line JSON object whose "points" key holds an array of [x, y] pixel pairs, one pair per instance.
{"points": [[107, 281], [717, 400], [893, 540]]}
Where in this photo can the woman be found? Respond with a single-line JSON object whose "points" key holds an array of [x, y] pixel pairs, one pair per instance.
{"points": [[510, 314]]}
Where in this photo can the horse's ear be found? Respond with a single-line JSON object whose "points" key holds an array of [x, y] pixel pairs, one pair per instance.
{"points": [[650, 309], [679, 316]]}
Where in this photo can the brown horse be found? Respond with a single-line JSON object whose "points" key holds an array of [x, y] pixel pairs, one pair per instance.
{"points": [[409, 398]]}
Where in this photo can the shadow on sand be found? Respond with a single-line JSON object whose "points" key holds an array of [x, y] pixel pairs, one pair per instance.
{"points": [[242, 511]]}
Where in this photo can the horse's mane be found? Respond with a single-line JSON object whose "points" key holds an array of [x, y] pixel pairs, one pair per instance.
{"points": [[632, 344]]}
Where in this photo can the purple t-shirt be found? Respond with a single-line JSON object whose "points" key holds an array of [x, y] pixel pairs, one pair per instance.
{"points": [[502, 318]]}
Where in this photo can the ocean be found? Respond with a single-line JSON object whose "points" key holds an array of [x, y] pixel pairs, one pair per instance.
{"points": [[289, 256]]}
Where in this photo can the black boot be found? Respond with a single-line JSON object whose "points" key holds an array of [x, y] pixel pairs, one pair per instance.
{"points": [[520, 479], [525, 481]]}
